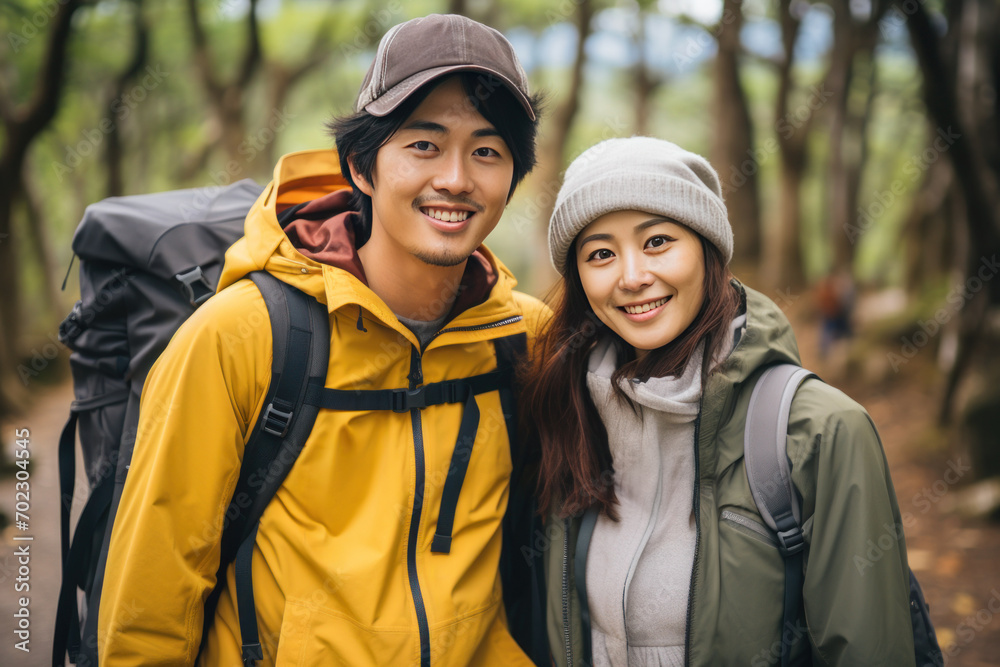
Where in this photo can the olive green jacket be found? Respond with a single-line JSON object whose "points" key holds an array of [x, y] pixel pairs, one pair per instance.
{"points": [[855, 595]]}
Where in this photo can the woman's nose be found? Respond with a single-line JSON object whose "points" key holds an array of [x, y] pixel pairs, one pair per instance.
{"points": [[634, 273]]}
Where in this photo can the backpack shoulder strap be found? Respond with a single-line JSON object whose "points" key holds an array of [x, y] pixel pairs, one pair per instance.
{"points": [[298, 322], [769, 473], [521, 566], [510, 350], [766, 461]]}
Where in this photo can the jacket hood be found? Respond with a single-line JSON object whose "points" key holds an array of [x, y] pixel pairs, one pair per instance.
{"points": [[302, 230], [767, 339]]}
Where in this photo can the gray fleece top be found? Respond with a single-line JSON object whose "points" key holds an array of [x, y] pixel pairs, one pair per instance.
{"points": [[639, 568]]}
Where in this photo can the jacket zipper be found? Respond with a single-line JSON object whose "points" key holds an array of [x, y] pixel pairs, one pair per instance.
{"points": [[479, 327], [492, 325], [565, 593], [749, 524], [416, 377], [696, 505]]}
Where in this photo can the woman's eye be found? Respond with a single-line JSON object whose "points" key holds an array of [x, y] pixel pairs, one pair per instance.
{"points": [[422, 145], [657, 241], [485, 152], [603, 253]]}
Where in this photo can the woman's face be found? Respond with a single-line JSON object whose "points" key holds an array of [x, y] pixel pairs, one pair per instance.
{"points": [[644, 276]]}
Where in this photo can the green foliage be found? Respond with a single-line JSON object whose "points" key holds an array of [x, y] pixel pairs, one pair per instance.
{"points": [[165, 120]]}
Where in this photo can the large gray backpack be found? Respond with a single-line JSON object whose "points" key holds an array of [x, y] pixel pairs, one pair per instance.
{"points": [[769, 473], [146, 263]]}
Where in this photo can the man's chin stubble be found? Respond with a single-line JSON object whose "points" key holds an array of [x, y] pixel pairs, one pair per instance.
{"points": [[441, 260]]}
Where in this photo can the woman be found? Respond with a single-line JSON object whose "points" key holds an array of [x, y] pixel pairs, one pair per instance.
{"points": [[640, 397]]}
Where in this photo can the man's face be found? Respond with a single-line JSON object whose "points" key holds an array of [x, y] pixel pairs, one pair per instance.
{"points": [[440, 184]]}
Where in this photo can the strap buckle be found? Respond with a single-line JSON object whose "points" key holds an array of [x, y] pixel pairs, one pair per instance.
{"points": [[404, 400], [73, 325], [252, 653], [792, 541], [455, 392], [189, 280], [276, 421]]}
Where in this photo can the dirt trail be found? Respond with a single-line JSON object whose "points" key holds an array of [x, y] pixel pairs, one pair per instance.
{"points": [[50, 408]]}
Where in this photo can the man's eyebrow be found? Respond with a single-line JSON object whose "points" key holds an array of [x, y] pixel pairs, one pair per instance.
{"points": [[427, 125], [438, 128]]}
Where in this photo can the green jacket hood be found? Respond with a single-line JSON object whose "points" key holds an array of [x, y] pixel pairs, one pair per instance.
{"points": [[766, 340]]}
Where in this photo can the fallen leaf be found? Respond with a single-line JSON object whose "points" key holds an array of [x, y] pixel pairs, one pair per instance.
{"points": [[949, 564], [919, 559], [946, 637], [963, 604]]}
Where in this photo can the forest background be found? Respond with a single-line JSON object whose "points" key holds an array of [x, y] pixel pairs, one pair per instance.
{"points": [[858, 142]]}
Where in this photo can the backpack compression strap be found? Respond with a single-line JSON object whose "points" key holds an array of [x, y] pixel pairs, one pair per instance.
{"points": [[75, 558], [298, 323], [769, 473]]}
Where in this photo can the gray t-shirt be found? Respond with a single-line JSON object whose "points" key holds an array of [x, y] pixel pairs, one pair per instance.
{"points": [[424, 330]]}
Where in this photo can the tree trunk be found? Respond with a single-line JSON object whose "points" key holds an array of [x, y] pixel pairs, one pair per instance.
{"points": [[37, 227], [783, 254], [226, 100], [929, 242], [784, 270], [551, 158], [114, 154], [857, 132], [646, 82], [838, 193], [733, 152], [22, 126], [973, 177]]}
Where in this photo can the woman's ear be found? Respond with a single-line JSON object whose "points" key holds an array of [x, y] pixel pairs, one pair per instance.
{"points": [[360, 182]]}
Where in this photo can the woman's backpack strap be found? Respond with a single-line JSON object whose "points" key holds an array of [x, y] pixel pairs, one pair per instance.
{"points": [[769, 473]]}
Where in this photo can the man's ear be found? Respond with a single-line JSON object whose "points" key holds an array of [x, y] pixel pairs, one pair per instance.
{"points": [[359, 181]]}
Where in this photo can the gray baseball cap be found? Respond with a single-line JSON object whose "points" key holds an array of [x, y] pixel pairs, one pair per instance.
{"points": [[422, 49]]}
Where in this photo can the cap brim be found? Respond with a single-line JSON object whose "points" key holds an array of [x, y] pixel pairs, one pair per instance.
{"points": [[392, 98]]}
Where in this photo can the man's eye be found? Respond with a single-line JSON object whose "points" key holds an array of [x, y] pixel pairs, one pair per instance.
{"points": [[485, 152]]}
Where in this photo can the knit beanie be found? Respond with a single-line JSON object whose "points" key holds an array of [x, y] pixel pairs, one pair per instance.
{"points": [[641, 174]]}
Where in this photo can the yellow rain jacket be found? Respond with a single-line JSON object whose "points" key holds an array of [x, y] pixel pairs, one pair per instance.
{"points": [[342, 568]]}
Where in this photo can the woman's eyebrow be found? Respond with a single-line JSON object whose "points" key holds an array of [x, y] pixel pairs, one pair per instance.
{"points": [[638, 228], [594, 237], [649, 223]]}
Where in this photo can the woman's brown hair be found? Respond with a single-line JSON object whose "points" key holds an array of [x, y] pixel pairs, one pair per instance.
{"points": [[576, 468]]}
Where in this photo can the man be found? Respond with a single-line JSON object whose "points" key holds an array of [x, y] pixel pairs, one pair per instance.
{"points": [[354, 562]]}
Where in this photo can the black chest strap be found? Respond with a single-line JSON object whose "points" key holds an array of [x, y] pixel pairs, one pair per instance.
{"points": [[463, 390]]}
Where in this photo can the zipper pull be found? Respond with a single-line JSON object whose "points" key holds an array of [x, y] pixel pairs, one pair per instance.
{"points": [[361, 324]]}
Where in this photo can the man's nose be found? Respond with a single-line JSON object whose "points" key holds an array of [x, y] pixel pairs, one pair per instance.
{"points": [[453, 175]]}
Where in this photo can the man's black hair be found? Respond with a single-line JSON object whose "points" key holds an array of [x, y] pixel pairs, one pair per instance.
{"points": [[360, 136]]}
